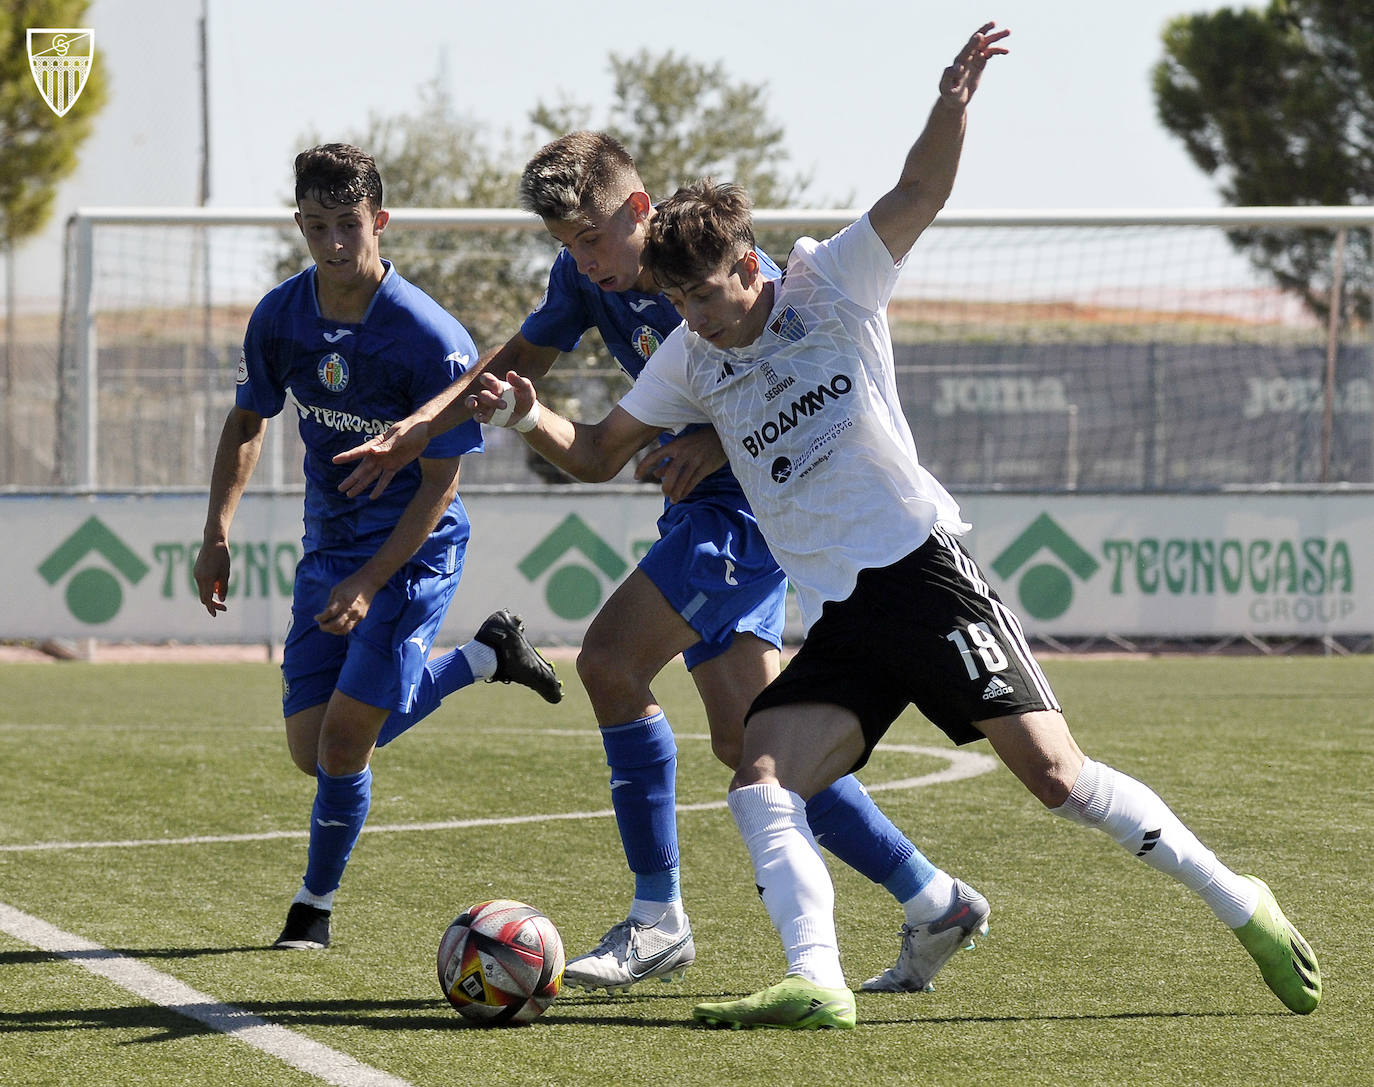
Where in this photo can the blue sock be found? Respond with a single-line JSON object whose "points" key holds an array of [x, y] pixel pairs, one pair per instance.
{"points": [[441, 677], [847, 822], [336, 820], [642, 756]]}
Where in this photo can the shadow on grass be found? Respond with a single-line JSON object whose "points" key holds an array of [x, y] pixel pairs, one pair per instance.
{"points": [[172, 1023], [573, 1007], [36, 956]]}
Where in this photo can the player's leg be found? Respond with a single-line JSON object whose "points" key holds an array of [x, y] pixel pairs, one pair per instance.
{"points": [[1036, 745], [303, 737], [846, 820], [345, 731], [792, 752], [311, 661], [626, 645], [498, 652], [1040, 751], [376, 670]]}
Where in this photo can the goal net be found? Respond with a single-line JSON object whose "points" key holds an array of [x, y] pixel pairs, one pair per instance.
{"points": [[1035, 351]]}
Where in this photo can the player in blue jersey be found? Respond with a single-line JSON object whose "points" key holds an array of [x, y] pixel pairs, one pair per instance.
{"points": [[356, 347], [708, 589]]}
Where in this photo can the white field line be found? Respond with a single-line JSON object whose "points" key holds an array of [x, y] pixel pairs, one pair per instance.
{"points": [[157, 988], [962, 764], [300, 1052]]}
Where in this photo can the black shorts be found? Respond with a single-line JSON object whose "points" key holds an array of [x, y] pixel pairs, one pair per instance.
{"points": [[927, 631]]}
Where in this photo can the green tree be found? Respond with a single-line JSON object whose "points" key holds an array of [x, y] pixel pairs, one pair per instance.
{"points": [[681, 120], [432, 157], [1277, 104], [37, 148]]}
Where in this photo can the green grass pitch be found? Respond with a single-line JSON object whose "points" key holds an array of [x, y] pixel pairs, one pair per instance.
{"points": [[1097, 970]]}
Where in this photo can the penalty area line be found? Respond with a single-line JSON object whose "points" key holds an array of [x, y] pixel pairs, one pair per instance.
{"points": [[163, 990], [961, 765]]}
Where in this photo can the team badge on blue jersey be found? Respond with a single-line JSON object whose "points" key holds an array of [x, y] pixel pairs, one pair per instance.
{"points": [[788, 325], [333, 371], [241, 375], [646, 340]]}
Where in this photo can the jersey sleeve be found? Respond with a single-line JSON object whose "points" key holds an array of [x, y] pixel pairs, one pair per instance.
{"points": [[460, 357], [661, 395], [258, 384], [561, 317], [857, 262]]}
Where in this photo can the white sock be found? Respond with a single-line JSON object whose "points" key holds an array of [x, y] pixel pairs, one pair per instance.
{"points": [[792, 879], [931, 900], [1135, 818], [320, 902], [481, 659], [669, 916]]}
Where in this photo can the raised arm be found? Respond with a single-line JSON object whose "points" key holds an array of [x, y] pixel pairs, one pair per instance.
{"points": [[900, 216], [380, 458], [591, 452]]}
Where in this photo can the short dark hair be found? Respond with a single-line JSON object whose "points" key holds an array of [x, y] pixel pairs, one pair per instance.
{"points": [[338, 173], [699, 229], [578, 176]]}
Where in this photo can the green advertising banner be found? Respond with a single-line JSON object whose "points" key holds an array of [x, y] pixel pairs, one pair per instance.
{"points": [[118, 567]]}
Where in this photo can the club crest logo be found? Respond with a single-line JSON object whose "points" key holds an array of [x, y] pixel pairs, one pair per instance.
{"points": [[60, 60], [646, 340], [788, 325], [333, 371], [241, 374]]}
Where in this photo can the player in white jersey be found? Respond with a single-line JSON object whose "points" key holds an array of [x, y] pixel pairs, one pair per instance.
{"points": [[708, 589], [797, 380]]}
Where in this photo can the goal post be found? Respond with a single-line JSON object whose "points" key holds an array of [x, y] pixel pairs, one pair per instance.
{"points": [[1045, 351]]}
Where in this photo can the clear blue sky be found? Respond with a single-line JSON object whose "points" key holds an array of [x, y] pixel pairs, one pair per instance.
{"points": [[1066, 120]]}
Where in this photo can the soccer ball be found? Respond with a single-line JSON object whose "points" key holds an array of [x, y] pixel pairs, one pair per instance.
{"points": [[501, 962]]}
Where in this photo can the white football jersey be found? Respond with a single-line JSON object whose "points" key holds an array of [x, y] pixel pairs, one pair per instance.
{"points": [[809, 417]]}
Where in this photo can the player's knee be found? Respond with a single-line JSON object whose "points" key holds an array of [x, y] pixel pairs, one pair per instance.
{"points": [[604, 673], [340, 755], [1051, 782], [728, 749], [305, 761]]}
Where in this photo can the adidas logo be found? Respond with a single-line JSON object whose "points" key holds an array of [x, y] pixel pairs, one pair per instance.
{"points": [[996, 689], [1150, 840]]}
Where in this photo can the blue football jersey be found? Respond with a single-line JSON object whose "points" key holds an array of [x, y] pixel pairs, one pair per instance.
{"points": [[632, 325], [349, 382]]}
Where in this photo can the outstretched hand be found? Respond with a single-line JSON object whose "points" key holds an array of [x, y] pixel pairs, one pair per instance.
{"points": [[960, 79], [380, 458], [502, 403]]}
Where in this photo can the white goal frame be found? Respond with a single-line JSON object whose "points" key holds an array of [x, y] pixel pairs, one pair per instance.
{"points": [[80, 350]]}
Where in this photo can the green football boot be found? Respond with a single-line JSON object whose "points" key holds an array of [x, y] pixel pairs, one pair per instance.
{"points": [[792, 1004], [1285, 960]]}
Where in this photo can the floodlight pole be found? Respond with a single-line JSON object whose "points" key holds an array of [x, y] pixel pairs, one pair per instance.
{"points": [[209, 370]]}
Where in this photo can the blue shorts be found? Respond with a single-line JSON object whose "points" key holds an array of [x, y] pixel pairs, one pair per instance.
{"points": [[711, 564], [380, 661]]}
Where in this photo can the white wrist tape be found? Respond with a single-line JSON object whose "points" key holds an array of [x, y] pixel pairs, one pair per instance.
{"points": [[529, 420], [502, 416]]}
